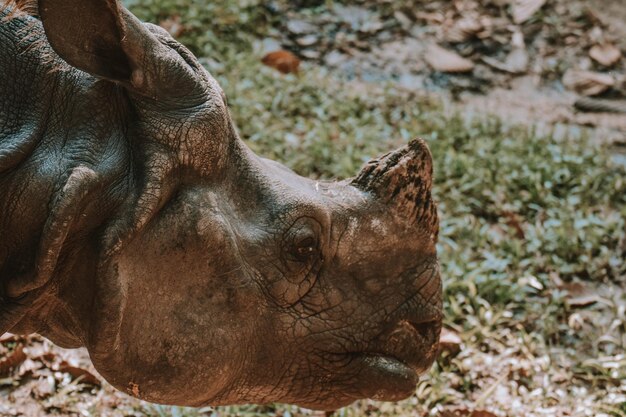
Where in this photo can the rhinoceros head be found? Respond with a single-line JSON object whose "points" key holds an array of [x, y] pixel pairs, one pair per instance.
{"points": [[222, 277]]}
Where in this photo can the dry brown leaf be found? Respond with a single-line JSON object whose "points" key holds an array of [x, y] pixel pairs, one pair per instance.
{"points": [[431, 18], [516, 62], [12, 360], [583, 300], [85, 376], [587, 83], [448, 413], [482, 413], [597, 105], [514, 221], [463, 29], [447, 61], [464, 412], [449, 341], [173, 25], [606, 54], [283, 61], [579, 295], [522, 10]]}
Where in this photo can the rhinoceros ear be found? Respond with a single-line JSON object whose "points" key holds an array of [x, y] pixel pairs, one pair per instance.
{"points": [[403, 180], [102, 38], [88, 35]]}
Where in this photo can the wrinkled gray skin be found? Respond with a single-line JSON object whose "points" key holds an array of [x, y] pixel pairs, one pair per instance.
{"points": [[136, 223]]}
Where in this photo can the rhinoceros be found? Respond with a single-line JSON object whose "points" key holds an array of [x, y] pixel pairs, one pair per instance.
{"points": [[135, 222]]}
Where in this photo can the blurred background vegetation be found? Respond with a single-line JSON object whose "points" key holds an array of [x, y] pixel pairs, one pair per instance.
{"points": [[533, 223]]}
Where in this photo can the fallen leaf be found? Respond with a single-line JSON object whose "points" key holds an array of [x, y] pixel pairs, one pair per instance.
{"points": [[522, 10], [13, 359], [85, 376], [307, 40], [583, 300], [447, 61], [301, 27], [606, 54], [596, 105], [575, 321], [431, 18], [463, 29], [449, 341], [403, 19], [283, 61], [173, 25], [579, 295], [448, 413], [587, 83], [531, 281], [482, 413], [44, 387], [463, 412], [517, 60], [514, 221]]}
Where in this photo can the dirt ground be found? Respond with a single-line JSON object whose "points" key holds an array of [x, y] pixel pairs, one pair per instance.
{"points": [[538, 91], [528, 101]]}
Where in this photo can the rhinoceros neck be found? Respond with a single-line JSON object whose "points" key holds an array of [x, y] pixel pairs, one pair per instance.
{"points": [[65, 170]]}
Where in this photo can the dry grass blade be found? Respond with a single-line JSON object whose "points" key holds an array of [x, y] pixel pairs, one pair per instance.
{"points": [[447, 61], [522, 10]]}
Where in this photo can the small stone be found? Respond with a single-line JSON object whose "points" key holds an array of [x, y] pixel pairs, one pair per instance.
{"points": [[334, 58], [307, 40], [301, 27], [310, 54]]}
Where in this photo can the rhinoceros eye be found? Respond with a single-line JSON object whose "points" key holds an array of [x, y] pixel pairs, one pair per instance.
{"points": [[301, 244], [305, 249]]}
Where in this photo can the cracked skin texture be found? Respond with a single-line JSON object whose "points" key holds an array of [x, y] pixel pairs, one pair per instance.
{"points": [[136, 223]]}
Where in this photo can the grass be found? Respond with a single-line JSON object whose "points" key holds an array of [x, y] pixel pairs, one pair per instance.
{"points": [[523, 215]]}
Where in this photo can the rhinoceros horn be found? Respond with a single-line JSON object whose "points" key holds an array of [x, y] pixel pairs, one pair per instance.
{"points": [[402, 179]]}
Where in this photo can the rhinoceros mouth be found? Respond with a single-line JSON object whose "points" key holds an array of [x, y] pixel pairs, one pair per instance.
{"points": [[413, 344], [383, 377], [390, 370]]}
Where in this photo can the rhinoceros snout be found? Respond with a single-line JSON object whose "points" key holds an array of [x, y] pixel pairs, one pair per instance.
{"points": [[412, 331], [414, 343]]}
